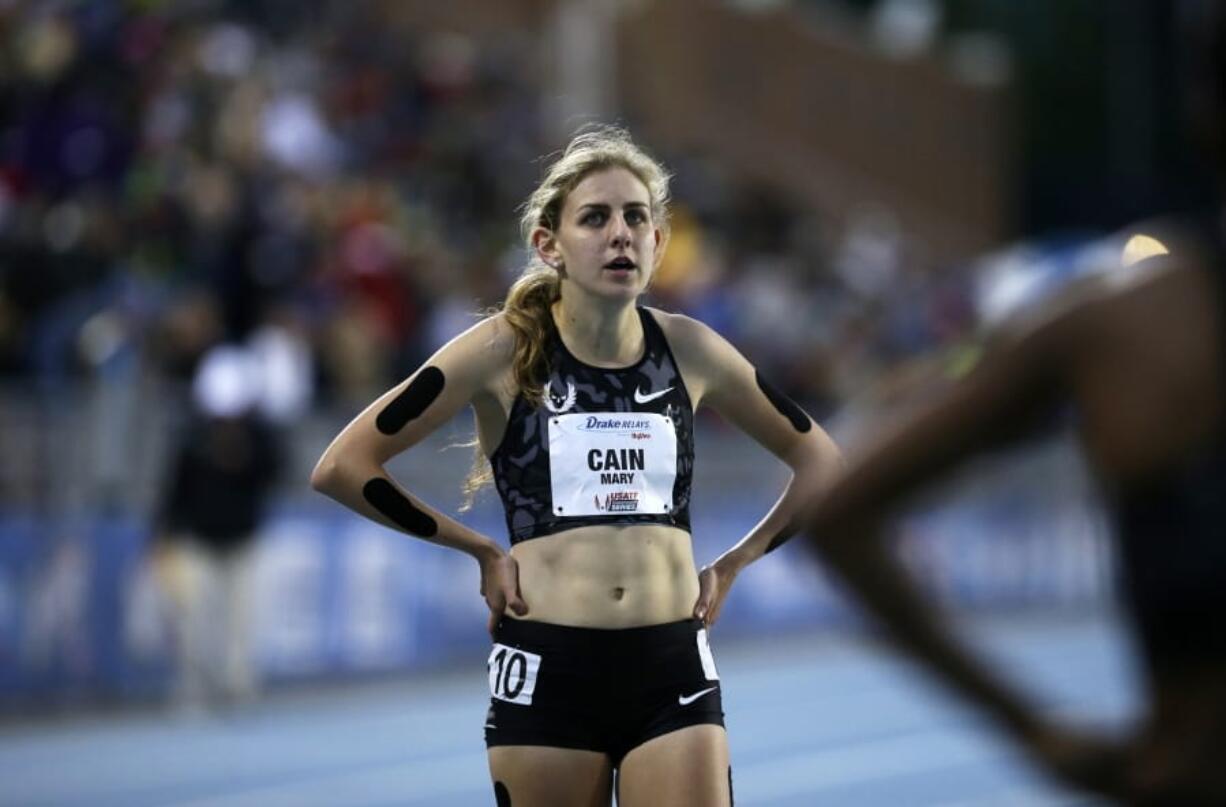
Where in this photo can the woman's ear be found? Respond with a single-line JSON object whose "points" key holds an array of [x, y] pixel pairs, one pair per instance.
{"points": [[661, 245], [546, 247]]}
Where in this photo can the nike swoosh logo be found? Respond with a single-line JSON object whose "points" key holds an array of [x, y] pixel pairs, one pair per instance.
{"points": [[686, 700], [639, 397]]}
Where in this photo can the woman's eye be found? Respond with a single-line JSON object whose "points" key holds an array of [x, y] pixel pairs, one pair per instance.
{"points": [[596, 217], [635, 217]]}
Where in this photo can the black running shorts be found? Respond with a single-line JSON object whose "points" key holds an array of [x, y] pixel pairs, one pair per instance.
{"points": [[596, 689]]}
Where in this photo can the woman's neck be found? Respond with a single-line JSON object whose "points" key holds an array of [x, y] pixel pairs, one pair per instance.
{"points": [[610, 335]]}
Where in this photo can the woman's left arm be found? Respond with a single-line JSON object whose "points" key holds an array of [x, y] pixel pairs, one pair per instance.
{"points": [[716, 374]]}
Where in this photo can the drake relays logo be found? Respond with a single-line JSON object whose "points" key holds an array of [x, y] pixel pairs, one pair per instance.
{"points": [[615, 425]]}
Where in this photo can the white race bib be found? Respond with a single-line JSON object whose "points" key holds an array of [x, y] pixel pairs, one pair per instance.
{"points": [[606, 463], [513, 674]]}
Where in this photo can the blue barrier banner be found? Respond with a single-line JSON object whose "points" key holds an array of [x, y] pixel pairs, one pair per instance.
{"points": [[83, 611]]}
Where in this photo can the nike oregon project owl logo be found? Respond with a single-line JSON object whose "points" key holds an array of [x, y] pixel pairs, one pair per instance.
{"points": [[556, 403]]}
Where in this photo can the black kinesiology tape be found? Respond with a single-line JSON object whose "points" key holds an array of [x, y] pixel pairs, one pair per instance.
{"points": [[786, 534], [384, 497], [786, 406], [412, 401]]}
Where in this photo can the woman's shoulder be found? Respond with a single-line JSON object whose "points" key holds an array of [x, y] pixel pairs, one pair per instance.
{"points": [[679, 327], [688, 335], [495, 333], [486, 346], [703, 355]]}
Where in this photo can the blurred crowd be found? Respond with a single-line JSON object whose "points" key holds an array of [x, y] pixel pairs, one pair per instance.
{"points": [[336, 189], [227, 224]]}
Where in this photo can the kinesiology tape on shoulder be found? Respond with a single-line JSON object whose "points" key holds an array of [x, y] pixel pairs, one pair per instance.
{"points": [[414, 399], [786, 406]]}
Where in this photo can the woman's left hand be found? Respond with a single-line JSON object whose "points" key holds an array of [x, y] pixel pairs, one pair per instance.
{"points": [[714, 581]]}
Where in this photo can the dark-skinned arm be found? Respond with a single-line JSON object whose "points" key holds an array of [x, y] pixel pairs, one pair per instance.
{"points": [[1016, 384]]}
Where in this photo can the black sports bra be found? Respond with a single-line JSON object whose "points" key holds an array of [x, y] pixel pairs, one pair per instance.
{"points": [[608, 446]]}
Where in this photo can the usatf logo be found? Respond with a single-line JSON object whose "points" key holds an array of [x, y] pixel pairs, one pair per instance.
{"points": [[622, 501]]}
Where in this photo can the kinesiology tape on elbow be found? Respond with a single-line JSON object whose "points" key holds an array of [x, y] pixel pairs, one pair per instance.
{"points": [[789, 530], [383, 496]]}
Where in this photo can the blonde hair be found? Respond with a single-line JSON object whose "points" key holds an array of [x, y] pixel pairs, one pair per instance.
{"points": [[527, 308]]}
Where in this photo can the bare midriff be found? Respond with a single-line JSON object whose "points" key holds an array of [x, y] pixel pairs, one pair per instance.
{"points": [[608, 577]]}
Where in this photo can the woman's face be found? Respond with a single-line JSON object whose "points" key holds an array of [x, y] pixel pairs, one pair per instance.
{"points": [[606, 239]]}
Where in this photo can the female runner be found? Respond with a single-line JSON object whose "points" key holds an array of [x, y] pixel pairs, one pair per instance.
{"points": [[584, 404]]}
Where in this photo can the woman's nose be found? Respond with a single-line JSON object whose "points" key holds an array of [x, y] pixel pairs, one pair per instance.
{"points": [[621, 233]]}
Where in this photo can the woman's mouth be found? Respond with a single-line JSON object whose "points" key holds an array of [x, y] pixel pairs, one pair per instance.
{"points": [[621, 266]]}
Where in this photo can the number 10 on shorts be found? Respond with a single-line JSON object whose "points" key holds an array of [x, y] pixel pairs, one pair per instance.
{"points": [[513, 674]]}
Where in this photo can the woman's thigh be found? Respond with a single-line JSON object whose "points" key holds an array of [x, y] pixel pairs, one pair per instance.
{"points": [[684, 768], [540, 776]]}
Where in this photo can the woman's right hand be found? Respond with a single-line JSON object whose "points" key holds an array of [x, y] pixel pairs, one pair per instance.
{"points": [[500, 587]]}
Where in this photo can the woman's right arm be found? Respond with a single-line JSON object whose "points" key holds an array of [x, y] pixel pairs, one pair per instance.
{"points": [[467, 370]]}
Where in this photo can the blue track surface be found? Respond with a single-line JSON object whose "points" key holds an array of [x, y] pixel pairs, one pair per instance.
{"points": [[813, 720]]}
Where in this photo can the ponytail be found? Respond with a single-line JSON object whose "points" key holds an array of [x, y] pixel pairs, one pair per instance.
{"points": [[527, 310]]}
